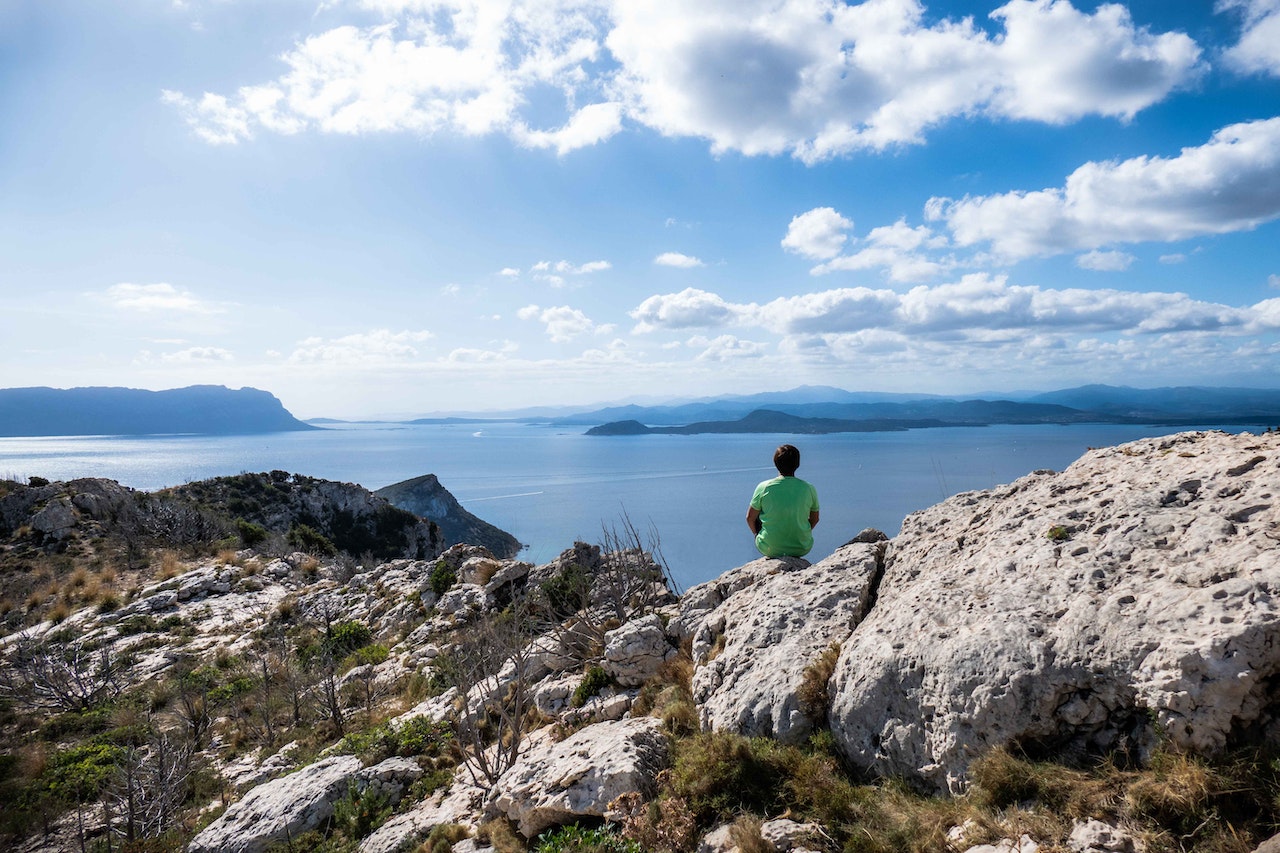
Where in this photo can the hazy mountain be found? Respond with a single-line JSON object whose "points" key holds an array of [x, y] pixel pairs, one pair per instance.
{"points": [[199, 409], [1180, 402]]}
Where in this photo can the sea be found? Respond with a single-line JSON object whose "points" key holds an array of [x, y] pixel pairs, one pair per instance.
{"points": [[550, 486]]}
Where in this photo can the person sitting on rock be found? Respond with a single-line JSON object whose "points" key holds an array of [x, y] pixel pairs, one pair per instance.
{"points": [[784, 510]]}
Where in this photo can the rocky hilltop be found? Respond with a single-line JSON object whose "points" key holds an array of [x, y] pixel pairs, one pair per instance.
{"points": [[1084, 661], [425, 496]]}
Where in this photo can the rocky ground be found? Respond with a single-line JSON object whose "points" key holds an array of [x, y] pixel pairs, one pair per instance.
{"points": [[1084, 661]]}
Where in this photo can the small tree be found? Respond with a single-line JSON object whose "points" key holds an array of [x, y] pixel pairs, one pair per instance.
{"points": [[72, 677], [489, 668]]}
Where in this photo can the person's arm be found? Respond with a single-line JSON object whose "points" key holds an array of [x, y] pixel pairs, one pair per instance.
{"points": [[813, 518], [753, 520]]}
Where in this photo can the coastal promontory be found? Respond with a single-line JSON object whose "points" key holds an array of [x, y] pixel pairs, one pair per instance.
{"points": [[196, 410]]}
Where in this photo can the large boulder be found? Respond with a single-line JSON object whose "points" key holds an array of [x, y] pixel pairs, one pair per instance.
{"points": [[1132, 593], [559, 782], [769, 621], [279, 810]]}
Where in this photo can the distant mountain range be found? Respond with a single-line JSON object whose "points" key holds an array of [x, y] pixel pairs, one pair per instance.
{"points": [[849, 412], [216, 410], [199, 409]]}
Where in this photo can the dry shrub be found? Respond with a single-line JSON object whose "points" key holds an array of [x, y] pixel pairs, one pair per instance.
{"points": [[442, 838], [170, 565], [78, 578], [668, 696], [1003, 779], [812, 693], [745, 835], [664, 825], [59, 612], [502, 836]]}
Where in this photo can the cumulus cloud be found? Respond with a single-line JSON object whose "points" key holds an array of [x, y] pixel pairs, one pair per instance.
{"points": [[1258, 50], [1100, 261], [813, 78], [689, 309], [563, 323], [1231, 183], [899, 250], [377, 347], [509, 272], [977, 307], [817, 234], [675, 259], [162, 297]]}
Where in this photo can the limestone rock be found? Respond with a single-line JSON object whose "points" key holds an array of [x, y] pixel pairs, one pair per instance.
{"points": [[633, 652], [1094, 836], [773, 618], [555, 783], [281, 809], [458, 804], [389, 778], [1069, 610]]}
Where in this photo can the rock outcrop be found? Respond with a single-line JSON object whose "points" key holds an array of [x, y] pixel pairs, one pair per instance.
{"points": [[424, 496], [757, 628], [1084, 610], [558, 782]]}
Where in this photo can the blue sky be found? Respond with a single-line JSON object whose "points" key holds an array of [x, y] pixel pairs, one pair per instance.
{"points": [[394, 207]]}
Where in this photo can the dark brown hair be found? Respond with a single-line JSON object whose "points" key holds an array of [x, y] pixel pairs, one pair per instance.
{"points": [[786, 459]]}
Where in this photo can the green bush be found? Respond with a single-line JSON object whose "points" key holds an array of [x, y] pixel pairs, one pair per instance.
{"points": [[595, 680], [344, 638], [306, 538], [577, 839], [443, 577], [360, 812], [250, 534]]}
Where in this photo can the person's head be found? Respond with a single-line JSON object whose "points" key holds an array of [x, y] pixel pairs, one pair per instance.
{"points": [[786, 459]]}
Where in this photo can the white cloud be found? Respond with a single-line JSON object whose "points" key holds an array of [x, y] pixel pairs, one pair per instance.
{"points": [[465, 66], [197, 355], [554, 273], [817, 234], [689, 309], [977, 307], [819, 78], [675, 259], [813, 78], [509, 272], [1174, 258], [1273, 281], [563, 323], [1231, 183], [1100, 261], [377, 347], [898, 249], [163, 297], [1258, 50], [727, 348]]}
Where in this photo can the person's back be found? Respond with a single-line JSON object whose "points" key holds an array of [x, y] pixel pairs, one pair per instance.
{"points": [[784, 510]]}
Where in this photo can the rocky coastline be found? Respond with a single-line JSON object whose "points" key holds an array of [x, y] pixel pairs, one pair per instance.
{"points": [[1073, 661]]}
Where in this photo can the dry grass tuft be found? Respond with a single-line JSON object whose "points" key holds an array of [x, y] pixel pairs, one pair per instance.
{"points": [[812, 693]]}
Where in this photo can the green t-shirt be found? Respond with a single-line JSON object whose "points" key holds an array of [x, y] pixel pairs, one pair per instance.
{"points": [[784, 504]]}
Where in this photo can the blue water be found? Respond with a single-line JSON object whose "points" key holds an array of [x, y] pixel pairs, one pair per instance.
{"points": [[550, 486]]}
